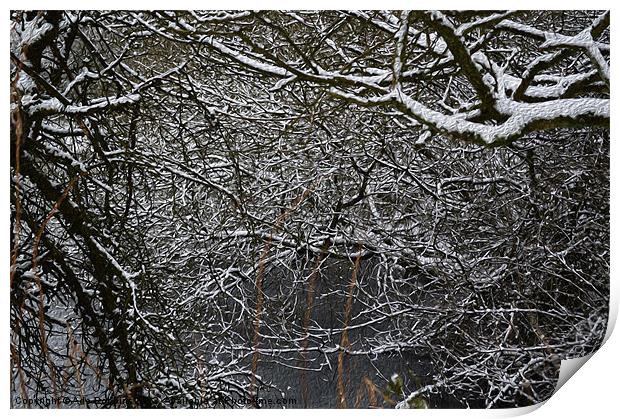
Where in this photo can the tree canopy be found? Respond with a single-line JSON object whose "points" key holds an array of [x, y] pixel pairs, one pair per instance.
{"points": [[192, 192]]}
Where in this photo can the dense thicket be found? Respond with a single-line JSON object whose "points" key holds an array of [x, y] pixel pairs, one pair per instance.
{"points": [[191, 192]]}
